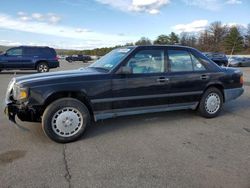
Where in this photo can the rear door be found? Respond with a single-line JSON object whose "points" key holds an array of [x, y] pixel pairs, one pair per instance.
{"points": [[188, 77], [147, 86]]}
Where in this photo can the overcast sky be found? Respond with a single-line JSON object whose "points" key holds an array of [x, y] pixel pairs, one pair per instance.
{"points": [[86, 24]]}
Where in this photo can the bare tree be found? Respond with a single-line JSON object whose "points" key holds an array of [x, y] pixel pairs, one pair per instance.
{"points": [[248, 36], [188, 39], [143, 41], [218, 32], [205, 41]]}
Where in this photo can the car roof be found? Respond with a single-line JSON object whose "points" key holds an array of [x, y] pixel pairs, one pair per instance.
{"points": [[168, 46], [34, 47]]}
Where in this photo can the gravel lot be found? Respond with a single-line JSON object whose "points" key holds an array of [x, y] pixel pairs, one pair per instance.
{"points": [[172, 149]]}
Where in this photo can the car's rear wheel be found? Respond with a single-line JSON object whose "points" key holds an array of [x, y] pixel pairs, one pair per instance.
{"points": [[65, 120], [42, 67], [211, 103]]}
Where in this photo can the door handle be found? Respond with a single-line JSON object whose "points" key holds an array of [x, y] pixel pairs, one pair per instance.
{"points": [[205, 77], [162, 79]]}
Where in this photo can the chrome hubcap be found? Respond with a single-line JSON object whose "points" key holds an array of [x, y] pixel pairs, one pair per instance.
{"points": [[212, 103], [43, 68], [67, 122]]}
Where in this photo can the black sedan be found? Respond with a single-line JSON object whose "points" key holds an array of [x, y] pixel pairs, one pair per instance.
{"points": [[126, 81], [83, 58]]}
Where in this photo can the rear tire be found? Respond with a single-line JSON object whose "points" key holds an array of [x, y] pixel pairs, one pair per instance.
{"points": [[42, 67], [65, 120], [211, 103]]}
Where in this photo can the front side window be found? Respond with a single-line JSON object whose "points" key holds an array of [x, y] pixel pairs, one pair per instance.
{"points": [[180, 61], [14, 52], [147, 61]]}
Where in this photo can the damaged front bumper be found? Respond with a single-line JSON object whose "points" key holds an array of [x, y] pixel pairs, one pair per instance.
{"points": [[11, 112], [24, 113]]}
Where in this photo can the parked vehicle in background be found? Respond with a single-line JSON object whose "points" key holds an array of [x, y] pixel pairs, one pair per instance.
{"points": [[41, 59], [126, 81], [217, 57], [83, 58], [239, 62]]}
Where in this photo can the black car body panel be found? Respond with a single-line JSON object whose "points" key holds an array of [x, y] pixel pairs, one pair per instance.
{"points": [[109, 93]]}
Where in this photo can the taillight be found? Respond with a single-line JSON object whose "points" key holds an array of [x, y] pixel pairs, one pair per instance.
{"points": [[241, 80], [57, 58]]}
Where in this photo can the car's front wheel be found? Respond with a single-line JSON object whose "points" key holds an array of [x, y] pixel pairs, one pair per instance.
{"points": [[65, 120], [211, 103], [42, 67]]}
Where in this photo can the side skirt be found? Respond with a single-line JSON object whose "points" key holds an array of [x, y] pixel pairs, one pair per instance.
{"points": [[100, 115]]}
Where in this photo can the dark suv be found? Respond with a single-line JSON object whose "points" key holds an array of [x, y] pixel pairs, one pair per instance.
{"points": [[126, 81], [29, 58], [218, 57]]}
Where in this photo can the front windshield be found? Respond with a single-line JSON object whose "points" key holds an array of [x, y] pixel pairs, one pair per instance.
{"points": [[111, 59]]}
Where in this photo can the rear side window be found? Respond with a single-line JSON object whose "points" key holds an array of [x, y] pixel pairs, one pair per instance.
{"points": [[180, 61], [183, 61], [31, 51], [43, 52]]}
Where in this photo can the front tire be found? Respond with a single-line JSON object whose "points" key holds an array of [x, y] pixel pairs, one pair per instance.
{"points": [[211, 103], [42, 67], [65, 120]]}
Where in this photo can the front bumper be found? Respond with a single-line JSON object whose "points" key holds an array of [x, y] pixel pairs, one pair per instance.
{"points": [[231, 94], [11, 112], [23, 113]]}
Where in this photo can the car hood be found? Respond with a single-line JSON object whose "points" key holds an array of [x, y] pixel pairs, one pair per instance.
{"points": [[56, 75]]}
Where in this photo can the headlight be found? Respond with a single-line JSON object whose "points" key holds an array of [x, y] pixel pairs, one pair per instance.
{"points": [[20, 93]]}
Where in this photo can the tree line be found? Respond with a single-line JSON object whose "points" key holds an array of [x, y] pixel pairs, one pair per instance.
{"points": [[217, 37]]}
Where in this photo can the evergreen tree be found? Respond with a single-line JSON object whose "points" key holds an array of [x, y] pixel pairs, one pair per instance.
{"points": [[173, 38], [162, 39], [234, 41]]}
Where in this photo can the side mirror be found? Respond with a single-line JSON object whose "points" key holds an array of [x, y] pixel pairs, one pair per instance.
{"points": [[125, 70]]}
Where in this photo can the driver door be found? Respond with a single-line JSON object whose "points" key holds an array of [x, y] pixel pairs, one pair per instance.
{"points": [[13, 58], [147, 84]]}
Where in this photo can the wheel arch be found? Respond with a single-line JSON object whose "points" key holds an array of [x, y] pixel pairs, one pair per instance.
{"points": [[218, 86], [41, 61], [79, 95]]}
